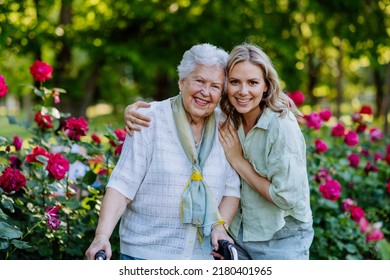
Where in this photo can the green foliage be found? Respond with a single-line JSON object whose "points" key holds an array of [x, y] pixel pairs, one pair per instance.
{"points": [[25, 232]]}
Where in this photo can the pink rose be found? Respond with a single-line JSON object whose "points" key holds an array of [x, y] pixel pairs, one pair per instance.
{"points": [[52, 217], [313, 121], [3, 87], [354, 160], [321, 146], [364, 225], [351, 138], [41, 71], [347, 203], [330, 190], [375, 235], [18, 142], [375, 134]]}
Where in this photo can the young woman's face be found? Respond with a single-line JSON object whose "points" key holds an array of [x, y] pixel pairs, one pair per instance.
{"points": [[245, 88], [201, 90]]}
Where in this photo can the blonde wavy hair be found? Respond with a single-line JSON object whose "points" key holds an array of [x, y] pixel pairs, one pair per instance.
{"points": [[274, 98]]}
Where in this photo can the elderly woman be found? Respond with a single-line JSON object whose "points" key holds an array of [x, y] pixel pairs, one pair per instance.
{"points": [[173, 188]]}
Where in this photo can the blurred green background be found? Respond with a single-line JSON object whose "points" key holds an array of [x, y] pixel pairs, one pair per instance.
{"points": [[109, 53]]}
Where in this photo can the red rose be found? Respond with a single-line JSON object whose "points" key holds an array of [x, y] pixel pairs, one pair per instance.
{"points": [[43, 121], [96, 139], [41, 71], [120, 135], [297, 97], [356, 212], [74, 128], [361, 128], [366, 110], [12, 180], [338, 130], [325, 115], [3, 87], [57, 166], [370, 168], [37, 151]]}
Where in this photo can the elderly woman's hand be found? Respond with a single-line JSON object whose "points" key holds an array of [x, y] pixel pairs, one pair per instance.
{"points": [[133, 119], [219, 233]]}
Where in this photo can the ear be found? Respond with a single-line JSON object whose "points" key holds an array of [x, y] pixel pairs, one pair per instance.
{"points": [[180, 84]]}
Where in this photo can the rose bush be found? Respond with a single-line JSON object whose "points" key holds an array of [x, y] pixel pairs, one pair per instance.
{"points": [[51, 185], [349, 169]]}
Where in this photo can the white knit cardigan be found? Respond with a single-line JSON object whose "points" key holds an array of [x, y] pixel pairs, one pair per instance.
{"points": [[152, 172]]}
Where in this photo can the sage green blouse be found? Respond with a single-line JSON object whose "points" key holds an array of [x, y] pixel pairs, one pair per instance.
{"points": [[276, 148]]}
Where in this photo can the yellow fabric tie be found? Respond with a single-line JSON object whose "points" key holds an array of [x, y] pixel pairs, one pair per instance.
{"points": [[196, 176]]}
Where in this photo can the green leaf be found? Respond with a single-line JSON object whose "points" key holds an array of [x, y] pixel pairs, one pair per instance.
{"points": [[8, 232], [89, 177], [20, 244], [383, 249], [4, 244]]}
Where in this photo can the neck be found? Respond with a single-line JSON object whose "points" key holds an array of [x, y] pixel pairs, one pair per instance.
{"points": [[250, 119], [197, 128]]}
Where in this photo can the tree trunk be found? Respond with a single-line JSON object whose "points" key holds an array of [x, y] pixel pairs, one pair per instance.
{"points": [[163, 86], [380, 95]]}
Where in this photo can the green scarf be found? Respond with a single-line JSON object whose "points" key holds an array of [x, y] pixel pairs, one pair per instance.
{"points": [[198, 205]]}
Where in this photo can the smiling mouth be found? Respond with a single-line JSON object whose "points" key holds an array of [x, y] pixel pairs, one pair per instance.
{"points": [[243, 101], [200, 102]]}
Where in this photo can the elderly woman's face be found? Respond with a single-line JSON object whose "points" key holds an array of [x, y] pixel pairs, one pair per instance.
{"points": [[201, 90]]}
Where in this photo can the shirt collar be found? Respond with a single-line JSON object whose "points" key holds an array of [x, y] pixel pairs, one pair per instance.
{"points": [[266, 118]]}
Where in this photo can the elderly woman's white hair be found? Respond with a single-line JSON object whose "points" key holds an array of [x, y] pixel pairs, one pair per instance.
{"points": [[202, 54]]}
